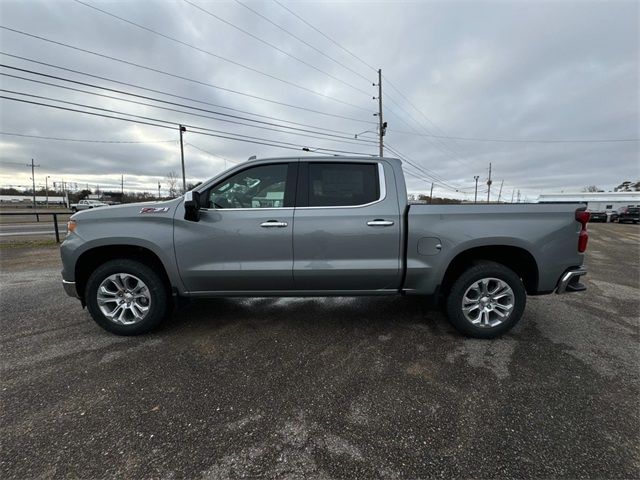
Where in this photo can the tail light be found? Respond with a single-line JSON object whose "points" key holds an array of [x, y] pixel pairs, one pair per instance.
{"points": [[583, 217]]}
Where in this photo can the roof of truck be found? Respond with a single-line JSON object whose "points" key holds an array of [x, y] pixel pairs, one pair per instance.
{"points": [[323, 158]]}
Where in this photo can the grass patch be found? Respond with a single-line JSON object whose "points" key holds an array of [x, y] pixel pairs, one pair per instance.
{"points": [[28, 244]]}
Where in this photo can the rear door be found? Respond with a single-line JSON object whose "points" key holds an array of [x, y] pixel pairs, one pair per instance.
{"points": [[346, 227], [244, 239]]}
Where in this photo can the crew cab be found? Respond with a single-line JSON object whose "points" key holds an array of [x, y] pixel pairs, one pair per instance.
{"points": [[320, 226]]}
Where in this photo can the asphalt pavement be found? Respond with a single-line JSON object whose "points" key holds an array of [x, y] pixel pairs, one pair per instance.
{"points": [[323, 388]]}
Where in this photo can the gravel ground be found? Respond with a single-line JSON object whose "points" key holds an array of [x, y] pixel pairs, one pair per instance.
{"points": [[323, 388]]}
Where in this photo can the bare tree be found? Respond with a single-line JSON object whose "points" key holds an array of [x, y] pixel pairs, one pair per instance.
{"points": [[592, 188], [172, 183]]}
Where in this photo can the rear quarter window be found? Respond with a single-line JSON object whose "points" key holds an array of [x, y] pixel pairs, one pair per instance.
{"points": [[343, 184]]}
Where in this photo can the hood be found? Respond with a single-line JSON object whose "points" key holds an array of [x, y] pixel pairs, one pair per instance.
{"points": [[129, 210]]}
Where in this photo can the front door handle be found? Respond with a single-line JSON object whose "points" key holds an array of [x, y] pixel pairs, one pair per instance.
{"points": [[378, 222], [273, 224]]}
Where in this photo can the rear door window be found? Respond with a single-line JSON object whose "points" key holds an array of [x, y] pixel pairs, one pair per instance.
{"points": [[343, 184]]}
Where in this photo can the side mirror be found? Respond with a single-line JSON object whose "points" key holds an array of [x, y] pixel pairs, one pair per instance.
{"points": [[192, 206]]}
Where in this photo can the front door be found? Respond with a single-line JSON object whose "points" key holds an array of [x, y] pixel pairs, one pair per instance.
{"points": [[243, 241], [347, 227]]}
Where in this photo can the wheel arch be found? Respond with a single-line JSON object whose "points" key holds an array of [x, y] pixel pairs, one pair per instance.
{"points": [[518, 259], [92, 258]]}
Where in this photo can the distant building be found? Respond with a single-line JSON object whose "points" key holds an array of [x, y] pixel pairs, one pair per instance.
{"points": [[596, 201], [28, 199]]}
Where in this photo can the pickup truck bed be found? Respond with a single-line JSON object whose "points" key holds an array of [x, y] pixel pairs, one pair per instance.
{"points": [[320, 226]]}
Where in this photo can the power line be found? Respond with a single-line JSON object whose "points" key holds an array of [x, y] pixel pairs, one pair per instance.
{"points": [[152, 69], [209, 153], [275, 47], [302, 41], [446, 150], [347, 51], [424, 170], [118, 82], [137, 116], [233, 62], [514, 140], [268, 142], [444, 136], [13, 134], [338, 138], [325, 36], [437, 129]]}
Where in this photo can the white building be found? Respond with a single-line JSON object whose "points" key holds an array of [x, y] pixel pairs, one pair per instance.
{"points": [[28, 199], [596, 201]]}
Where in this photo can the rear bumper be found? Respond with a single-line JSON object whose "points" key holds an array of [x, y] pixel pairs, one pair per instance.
{"points": [[570, 281], [70, 288]]}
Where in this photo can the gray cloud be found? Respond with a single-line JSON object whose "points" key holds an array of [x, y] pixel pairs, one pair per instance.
{"points": [[519, 70]]}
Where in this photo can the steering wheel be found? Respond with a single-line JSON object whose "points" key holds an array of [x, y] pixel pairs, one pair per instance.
{"points": [[237, 200]]}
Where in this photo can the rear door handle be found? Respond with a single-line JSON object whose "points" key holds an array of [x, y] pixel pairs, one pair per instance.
{"points": [[380, 223], [273, 224]]}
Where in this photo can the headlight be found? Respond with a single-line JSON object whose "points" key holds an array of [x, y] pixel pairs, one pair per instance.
{"points": [[71, 226]]}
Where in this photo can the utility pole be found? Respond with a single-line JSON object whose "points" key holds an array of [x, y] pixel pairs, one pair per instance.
{"points": [[46, 188], [158, 190], [431, 194], [382, 126], [184, 179], [122, 186], [500, 192], [489, 185], [33, 179], [475, 197]]}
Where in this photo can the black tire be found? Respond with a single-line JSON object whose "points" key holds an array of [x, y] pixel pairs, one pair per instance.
{"points": [[74, 209], [481, 270], [159, 305]]}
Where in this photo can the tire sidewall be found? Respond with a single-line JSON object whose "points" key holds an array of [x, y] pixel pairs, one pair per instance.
{"points": [[477, 272], [159, 296]]}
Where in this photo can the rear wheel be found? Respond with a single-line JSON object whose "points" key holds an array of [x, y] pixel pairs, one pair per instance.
{"points": [[126, 297], [486, 301]]}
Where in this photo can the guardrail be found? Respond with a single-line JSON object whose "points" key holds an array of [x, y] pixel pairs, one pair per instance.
{"points": [[56, 229]]}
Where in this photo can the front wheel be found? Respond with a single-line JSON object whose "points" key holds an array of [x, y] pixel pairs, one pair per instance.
{"points": [[126, 297], [486, 301]]}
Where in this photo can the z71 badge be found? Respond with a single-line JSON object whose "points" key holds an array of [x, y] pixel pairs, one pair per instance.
{"points": [[154, 209]]}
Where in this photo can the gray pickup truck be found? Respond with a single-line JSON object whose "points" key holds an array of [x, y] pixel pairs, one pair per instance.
{"points": [[329, 226]]}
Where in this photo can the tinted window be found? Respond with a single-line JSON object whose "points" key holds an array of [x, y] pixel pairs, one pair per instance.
{"points": [[343, 184], [257, 187], [609, 207]]}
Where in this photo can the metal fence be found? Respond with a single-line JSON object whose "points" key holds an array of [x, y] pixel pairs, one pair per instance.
{"points": [[56, 228]]}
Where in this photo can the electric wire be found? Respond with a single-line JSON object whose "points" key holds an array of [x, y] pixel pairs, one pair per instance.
{"points": [[199, 82], [325, 36], [233, 62], [210, 154], [424, 170], [301, 40], [340, 139], [275, 47], [139, 87], [83, 140], [248, 139]]}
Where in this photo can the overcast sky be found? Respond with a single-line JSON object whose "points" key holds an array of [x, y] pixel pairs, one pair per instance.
{"points": [[488, 70]]}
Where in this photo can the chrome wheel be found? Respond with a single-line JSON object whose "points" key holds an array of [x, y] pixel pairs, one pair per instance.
{"points": [[124, 298], [488, 302]]}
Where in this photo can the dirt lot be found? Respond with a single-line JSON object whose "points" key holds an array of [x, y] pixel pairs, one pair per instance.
{"points": [[323, 388]]}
